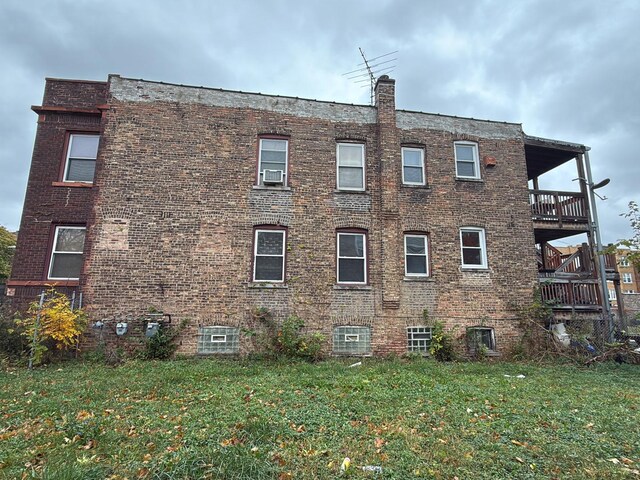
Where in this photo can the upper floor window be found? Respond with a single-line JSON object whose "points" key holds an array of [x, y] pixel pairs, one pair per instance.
{"points": [[272, 161], [66, 254], [467, 163], [626, 278], [413, 166], [80, 164], [624, 262], [416, 257], [473, 246], [350, 165], [268, 255], [352, 257]]}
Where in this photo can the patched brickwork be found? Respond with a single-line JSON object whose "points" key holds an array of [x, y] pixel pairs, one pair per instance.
{"points": [[172, 215]]}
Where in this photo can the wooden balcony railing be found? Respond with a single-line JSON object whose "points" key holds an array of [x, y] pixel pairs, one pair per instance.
{"points": [[547, 205], [563, 292]]}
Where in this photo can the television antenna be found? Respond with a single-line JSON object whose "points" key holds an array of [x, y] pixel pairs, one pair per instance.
{"points": [[370, 70]]}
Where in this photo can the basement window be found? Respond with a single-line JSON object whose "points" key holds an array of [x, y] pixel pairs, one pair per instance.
{"points": [[481, 336], [349, 340], [419, 339], [223, 340], [80, 164]]}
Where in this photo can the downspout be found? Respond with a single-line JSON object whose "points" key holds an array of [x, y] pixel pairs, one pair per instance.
{"points": [[602, 275]]}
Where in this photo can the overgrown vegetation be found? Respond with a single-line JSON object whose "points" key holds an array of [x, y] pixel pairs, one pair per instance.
{"points": [[55, 325], [287, 339], [235, 419], [633, 243], [163, 344], [442, 346], [7, 248]]}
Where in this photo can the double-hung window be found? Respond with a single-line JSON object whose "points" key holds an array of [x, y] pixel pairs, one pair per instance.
{"points": [[467, 163], [268, 256], [413, 166], [80, 164], [350, 165], [416, 257], [352, 258], [66, 254], [473, 247], [626, 278], [272, 161]]}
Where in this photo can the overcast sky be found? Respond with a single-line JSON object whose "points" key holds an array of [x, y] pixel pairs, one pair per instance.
{"points": [[564, 69]]}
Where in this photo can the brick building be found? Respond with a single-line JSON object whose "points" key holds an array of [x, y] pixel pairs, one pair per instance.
{"points": [[207, 204]]}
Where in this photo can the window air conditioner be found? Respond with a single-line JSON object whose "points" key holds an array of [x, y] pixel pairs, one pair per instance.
{"points": [[272, 177]]}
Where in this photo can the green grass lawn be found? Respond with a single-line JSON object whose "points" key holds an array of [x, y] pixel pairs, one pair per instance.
{"points": [[252, 420]]}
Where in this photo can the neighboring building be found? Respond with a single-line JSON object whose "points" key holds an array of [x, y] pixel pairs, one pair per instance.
{"points": [[207, 204]]}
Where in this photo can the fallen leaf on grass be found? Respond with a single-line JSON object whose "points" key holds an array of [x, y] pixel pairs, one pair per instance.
{"points": [[379, 442]]}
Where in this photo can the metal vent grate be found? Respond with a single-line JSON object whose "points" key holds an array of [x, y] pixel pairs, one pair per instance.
{"points": [[218, 340], [352, 340]]}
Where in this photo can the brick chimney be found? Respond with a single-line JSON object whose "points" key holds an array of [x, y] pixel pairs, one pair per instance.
{"points": [[385, 95]]}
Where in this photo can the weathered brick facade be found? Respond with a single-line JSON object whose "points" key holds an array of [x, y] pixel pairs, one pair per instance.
{"points": [[172, 211]]}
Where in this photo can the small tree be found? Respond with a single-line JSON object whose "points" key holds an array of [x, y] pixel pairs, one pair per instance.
{"points": [[632, 243], [55, 323], [7, 247]]}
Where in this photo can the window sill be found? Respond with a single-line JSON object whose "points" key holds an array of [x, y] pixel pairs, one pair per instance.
{"points": [[342, 286], [361, 192], [475, 269], [275, 188], [421, 187], [472, 180], [419, 279], [267, 285], [43, 283], [73, 184]]}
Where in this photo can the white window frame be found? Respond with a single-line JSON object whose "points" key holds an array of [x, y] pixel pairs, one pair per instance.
{"points": [[624, 262], [351, 337], [424, 179], [255, 253], [612, 294], [67, 162], [363, 167], [475, 161], [54, 251], [364, 257], [426, 254], [222, 338], [627, 278], [419, 344], [482, 248], [285, 173]]}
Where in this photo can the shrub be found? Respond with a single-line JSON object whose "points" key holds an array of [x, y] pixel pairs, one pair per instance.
{"points": [[55, 324], [442, 344], [287, 339], [12, 343], [163, 344]]}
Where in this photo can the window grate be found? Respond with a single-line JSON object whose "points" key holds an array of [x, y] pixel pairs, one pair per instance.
{"points": [[218, 340], [352, 340], [419, 339]]}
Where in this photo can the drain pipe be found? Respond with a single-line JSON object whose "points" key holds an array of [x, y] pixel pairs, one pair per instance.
{"points": [[602, 275]]}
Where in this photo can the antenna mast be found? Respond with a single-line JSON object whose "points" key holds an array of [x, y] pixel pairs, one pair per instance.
{"points": [[370, 70]]}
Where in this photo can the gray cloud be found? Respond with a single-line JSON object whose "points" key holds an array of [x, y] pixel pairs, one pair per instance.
{"points": [[565, 70]]}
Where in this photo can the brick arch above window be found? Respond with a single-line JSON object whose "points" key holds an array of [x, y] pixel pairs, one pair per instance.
{"points": [[275, 219], [352, 222]]}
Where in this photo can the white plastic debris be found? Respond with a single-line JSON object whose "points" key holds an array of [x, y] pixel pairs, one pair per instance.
{"points": [[357, 364], [515, 376], [372, 468]]}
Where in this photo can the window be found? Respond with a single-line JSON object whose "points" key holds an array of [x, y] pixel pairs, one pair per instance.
{"points": [[82, 152], [352, 257], [413, 166], [416, 261], [473, 247], [268, 259], [481, 337], [612, 294], [624, 262], [272, 161], [419, 339], [66, 255], [467, 164], [630, 291], [352, 340], [626, 278], [350, 166], [218, 340]]}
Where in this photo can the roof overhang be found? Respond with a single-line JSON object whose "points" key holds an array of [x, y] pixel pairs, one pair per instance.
{"points": [[544, 154]]}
